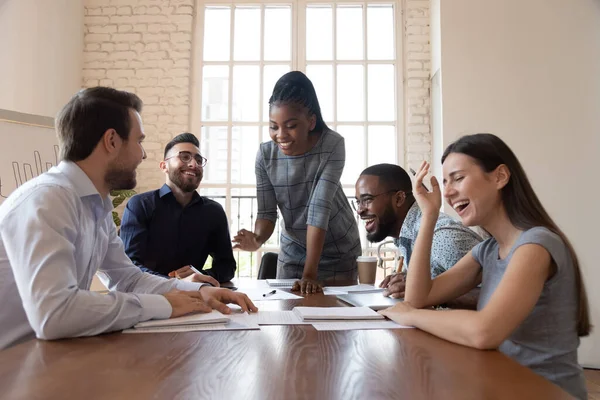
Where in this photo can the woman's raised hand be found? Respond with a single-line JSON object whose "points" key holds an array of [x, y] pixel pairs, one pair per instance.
{"points": [[429, 202]]}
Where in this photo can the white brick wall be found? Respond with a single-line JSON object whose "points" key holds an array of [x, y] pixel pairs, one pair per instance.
{"points": [[144, 46], [417, 53]]}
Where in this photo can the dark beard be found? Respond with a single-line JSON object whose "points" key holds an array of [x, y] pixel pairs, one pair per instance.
{"points": [[186, 187], [385, 226], [119, 178]]}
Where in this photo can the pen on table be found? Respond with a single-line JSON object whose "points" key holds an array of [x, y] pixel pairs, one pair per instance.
{"points": [[270, 293], [412, 171]]}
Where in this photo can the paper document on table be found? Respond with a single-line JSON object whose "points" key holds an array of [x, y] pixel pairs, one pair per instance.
{"points": [[236, 322], [277, 318], [336, 313], [329, 291], [213, 317], [244, 320], [356, 325], [351, 289], [288, 283], [256, 294]]}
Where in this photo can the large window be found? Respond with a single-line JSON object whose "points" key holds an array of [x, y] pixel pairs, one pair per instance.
{"points": [[350, 52]]}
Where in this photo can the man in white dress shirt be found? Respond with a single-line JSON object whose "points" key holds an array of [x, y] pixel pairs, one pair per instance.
{"points": [[56, 232]]}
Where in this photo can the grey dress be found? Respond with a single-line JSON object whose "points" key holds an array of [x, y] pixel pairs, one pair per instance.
{"points": [[307, 190]]}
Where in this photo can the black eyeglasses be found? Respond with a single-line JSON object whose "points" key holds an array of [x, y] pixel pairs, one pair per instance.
{"points": [[186, 157], [366, 201]]}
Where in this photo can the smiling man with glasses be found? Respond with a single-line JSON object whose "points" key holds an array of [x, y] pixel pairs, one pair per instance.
{"points": [[172, 231], [385, 203]]}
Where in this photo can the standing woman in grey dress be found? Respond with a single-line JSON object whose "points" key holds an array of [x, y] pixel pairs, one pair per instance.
{"points": [[299, 171], [532, 305]]}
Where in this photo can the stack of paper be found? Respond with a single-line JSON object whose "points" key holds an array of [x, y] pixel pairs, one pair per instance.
{"points": [[356, 325], [337, 313], [277, 317], [213, 317], [288, 283], [214, 321], [363, 288]]}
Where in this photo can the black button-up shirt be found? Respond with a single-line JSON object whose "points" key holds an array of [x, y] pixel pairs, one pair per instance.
{"points": [[161, 236]]}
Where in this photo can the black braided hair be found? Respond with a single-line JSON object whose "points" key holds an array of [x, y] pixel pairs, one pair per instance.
{"points": [[295, 88]]}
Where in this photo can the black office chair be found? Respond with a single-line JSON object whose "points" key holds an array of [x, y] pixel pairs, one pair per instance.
{"points": [[268, 266]]}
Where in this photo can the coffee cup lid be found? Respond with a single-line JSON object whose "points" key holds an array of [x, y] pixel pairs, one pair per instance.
{"points": [[366, 259]]}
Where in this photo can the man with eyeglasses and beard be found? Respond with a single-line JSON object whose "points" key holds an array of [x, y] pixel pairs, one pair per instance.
{"points": [[384, 201], [172, 231]]}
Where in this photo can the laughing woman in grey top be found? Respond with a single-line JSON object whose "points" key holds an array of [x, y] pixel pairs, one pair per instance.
{"points": [[532, 306], [299, 171]]}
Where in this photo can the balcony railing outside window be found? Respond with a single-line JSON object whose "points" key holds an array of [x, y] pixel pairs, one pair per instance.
{"points": [[243, 216]]}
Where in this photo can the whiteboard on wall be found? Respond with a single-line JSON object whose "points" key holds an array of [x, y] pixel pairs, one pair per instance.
{"points": [[28, 148]]}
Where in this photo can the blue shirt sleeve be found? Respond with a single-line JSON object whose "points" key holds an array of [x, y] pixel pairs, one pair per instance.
{"points": [[224, 264], [134, 232], [449, 246]]}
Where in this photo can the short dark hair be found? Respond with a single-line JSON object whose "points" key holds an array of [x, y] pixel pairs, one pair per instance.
{"points": [[295, 88], [83, 121], [185, 137], [392, 176]]}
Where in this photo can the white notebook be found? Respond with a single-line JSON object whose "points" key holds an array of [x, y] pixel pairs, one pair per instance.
{"points": [[288, 283], [213, 317], [336, 313], [363, 288]]}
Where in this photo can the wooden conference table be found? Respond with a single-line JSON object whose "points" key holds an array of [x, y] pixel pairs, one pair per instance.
{"points": [[277, 362]]}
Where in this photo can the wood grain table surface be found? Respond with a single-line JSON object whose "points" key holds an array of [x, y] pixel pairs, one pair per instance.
{"points": [[276, 362]]}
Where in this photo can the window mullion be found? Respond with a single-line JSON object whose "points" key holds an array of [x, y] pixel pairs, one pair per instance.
{"points": [[399, 65], [228, 209], [299, 35], [365, 86], [195, 119], [261, 94], [334, 63]]}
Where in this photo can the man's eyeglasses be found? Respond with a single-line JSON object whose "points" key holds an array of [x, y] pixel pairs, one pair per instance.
{"points": [[365, 202], [186, 157]]}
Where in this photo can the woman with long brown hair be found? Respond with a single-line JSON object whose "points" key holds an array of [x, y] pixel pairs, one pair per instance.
{"points": [[533, 305]]}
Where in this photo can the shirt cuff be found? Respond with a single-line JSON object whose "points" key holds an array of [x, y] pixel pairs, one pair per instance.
{"points": [[318, 223], [269, 216], [190, 286], [154, 307]]}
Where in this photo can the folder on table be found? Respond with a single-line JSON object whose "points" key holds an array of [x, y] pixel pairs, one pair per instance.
{"points": [[213, 317], [337, 313]]}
